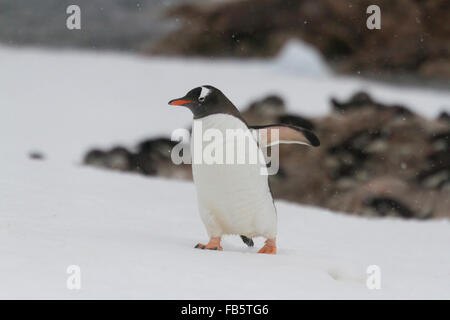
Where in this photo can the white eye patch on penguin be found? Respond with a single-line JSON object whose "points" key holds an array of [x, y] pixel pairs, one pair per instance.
{"points": [[203, 93]]}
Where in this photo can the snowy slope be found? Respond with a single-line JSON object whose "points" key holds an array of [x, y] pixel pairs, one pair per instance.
{"points": [[133, 236]]}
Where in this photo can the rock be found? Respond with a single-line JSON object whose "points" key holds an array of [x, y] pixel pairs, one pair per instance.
{"points": [[119, 158], [363, 100], [270, 105], [267, 109], [413, 39], [388, 207], [36, 155], [358, 100], [96, 158], [152, 154], [435, 178], [374, 159], [444, 116], [439, 68], [440, 141]]}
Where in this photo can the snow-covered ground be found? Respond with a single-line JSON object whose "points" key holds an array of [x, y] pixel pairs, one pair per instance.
{"points": [[133, 236]]}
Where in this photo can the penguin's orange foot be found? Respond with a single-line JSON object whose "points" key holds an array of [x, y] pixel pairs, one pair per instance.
{"points": [[207, 246], [270, 247], [213, 244]]}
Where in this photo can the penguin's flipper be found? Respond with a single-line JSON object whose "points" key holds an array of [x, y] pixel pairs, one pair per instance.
{"points": [[272, 134], [247, 241]]}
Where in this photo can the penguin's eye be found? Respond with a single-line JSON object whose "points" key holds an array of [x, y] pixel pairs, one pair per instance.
{"points": [[201, 99]]}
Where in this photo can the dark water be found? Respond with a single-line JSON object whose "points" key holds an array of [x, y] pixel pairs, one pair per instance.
{"points": [[109, 24]]}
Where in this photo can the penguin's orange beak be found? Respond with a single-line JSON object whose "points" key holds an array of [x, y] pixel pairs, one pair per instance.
{"points": [[179, 102]]}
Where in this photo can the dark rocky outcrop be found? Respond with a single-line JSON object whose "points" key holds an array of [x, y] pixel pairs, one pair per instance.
{"points": [[414, 35], [36, 155], [151, 158], [374, 159]]}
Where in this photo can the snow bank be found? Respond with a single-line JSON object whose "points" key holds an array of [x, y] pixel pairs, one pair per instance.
{"points": [[302, 59], [132, 236]]}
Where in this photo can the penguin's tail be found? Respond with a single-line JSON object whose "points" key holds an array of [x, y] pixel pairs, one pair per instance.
{"points": [[247, 241]]}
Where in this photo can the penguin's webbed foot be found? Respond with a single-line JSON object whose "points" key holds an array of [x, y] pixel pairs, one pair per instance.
{"points": [[205, 246], [213, 244], [270, 247]]}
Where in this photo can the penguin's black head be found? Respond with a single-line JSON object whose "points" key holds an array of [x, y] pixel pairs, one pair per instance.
{"points": [[206, 100]]}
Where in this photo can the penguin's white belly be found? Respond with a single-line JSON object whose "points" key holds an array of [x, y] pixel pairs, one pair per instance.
{"points": [[233, 198]]}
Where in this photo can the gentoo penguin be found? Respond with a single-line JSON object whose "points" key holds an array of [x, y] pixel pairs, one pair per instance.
{"points": [[234, 198]]}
